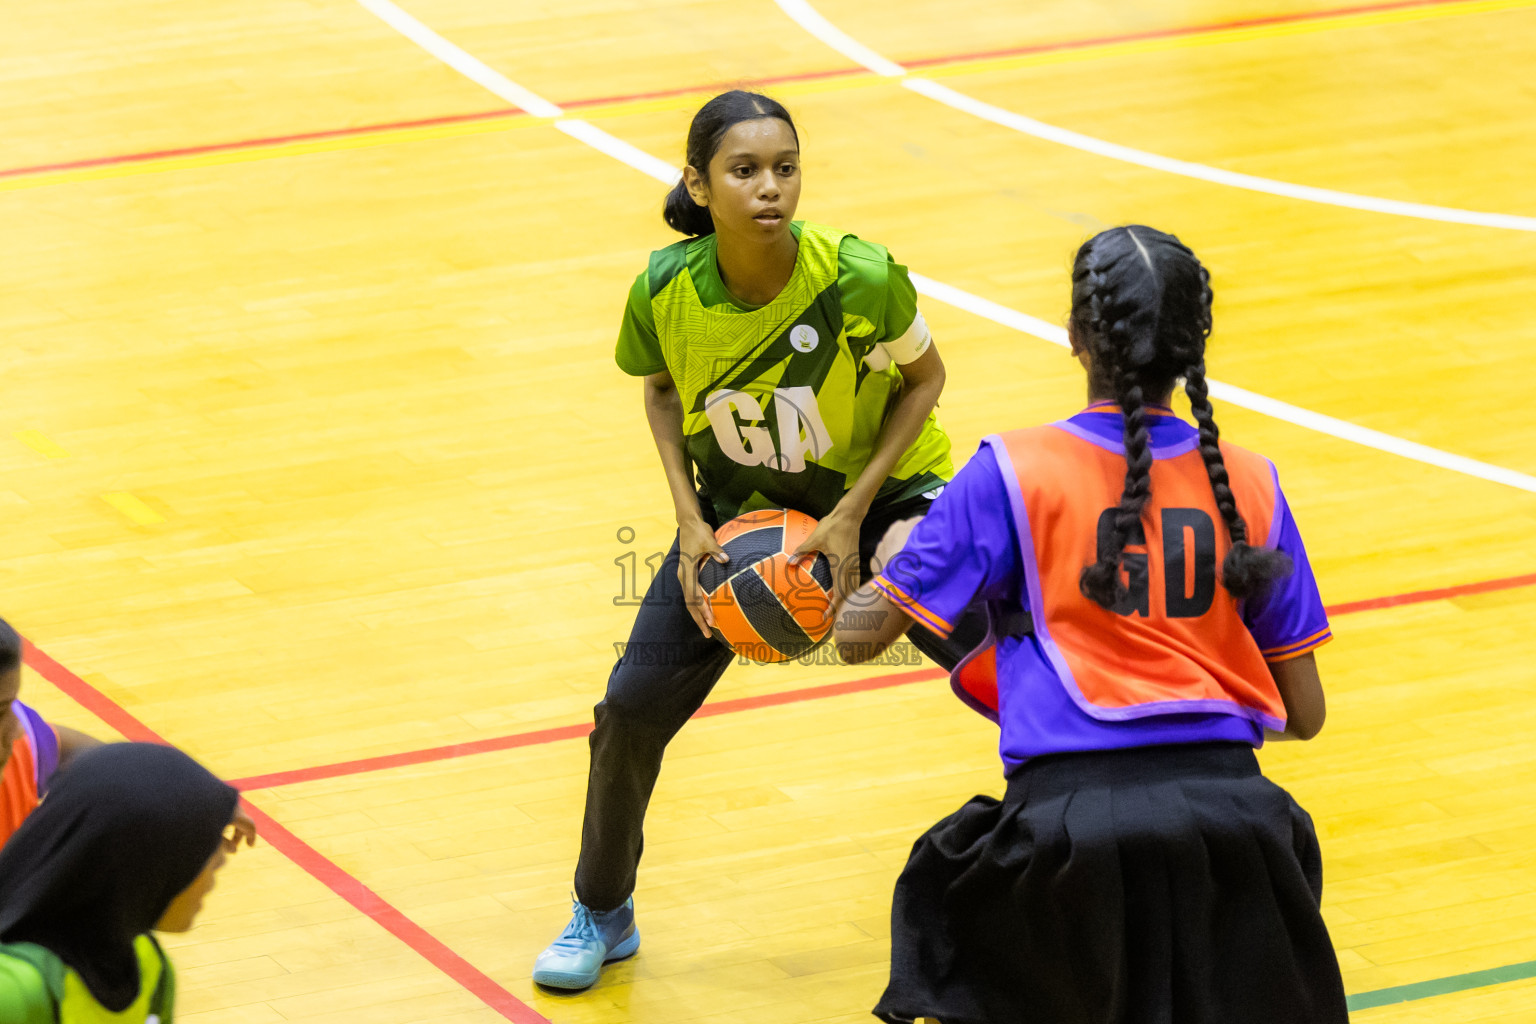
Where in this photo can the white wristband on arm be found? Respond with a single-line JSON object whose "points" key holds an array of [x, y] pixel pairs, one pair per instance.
{"points": [[902, 350]]}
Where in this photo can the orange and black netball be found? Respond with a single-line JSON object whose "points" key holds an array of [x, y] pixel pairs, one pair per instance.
{"points": [[766, 609]]}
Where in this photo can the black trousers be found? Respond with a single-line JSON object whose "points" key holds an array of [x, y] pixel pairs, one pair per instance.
{"points": [[666, 672]]}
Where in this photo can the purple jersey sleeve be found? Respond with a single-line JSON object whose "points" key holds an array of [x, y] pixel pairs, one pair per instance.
{"points": [[1288, 619], [45, 744], [963, 549]]}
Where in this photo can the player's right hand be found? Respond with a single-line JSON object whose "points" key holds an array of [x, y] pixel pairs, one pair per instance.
{"points": [[894, 540], [240, 827], [696, 542]]}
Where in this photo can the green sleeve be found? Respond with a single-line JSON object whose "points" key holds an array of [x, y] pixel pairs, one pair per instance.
{"points": [[24, 995], [162, 1002], [874, 286], [900, 301], [168, 993], [639, 350]]}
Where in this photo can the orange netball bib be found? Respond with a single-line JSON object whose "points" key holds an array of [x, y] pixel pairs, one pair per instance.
{"points": [[1177, 642]]}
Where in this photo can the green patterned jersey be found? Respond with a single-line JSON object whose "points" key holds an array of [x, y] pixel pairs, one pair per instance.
{"points": [[783, 403]]}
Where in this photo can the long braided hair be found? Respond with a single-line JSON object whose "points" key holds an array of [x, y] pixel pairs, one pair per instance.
{"points": [[1141, 303]]}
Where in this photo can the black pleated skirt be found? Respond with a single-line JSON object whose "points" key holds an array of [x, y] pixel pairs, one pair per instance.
{"points": [[1159, 885]]}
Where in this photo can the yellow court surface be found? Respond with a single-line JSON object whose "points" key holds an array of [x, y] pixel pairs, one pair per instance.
{"points": [[317, 463]]}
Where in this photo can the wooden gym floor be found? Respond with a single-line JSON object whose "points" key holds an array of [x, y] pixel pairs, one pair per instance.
{"points": [[316, 462]]}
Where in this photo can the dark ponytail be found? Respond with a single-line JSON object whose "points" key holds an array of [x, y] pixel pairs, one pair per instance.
{"points": [[1141, 302], [683, 214], [710, 124]]}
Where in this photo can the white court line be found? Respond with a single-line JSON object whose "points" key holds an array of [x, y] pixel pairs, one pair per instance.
{"points": [[469, 66], [1235, 395], [620, 150], [483, 74], [949, 294], [811, 20]]}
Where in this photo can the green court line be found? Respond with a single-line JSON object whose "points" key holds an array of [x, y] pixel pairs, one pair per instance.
{"points": [[1442, 986]]}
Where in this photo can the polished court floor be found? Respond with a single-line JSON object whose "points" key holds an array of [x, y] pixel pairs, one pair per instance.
{"points": [[316, 462]]}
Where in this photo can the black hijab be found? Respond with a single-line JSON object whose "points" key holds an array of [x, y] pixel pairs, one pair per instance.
{"points": [[123, 831]]}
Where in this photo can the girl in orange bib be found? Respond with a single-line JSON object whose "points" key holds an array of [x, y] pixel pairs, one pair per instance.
{"points": [[1153, 617]]}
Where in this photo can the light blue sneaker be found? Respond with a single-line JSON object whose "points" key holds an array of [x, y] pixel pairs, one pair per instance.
{"points": [[576, 958]]}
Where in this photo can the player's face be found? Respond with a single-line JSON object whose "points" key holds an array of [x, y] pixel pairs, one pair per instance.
{"points": [[178, 917], [754, 180], [10, 725]]}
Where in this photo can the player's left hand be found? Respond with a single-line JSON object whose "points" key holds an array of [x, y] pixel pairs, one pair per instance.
{"points": [[241, 827], [837, 537]]}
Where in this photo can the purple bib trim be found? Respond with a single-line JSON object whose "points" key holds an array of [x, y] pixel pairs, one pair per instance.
{"points": [[45, 745], [1273, 540], [1167, 451], [1058, 662]]}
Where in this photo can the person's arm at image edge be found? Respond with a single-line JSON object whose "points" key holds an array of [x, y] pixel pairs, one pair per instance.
{"points": [[1301, 688]]}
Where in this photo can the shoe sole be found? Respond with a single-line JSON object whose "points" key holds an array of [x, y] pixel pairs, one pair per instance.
{"points": [[566, 980]]}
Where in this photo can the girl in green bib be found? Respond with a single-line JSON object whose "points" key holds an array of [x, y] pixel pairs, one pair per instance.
{"points": [[784, 364], [127, 842]]}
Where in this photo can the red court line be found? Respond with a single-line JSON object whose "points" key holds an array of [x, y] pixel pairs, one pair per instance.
{"points": [[261, 143], [88, 697], [393, 921], [1293, 18], [419, 939], [1439, 594], [569, 732], [809, 693], [1300, 17], [445, 753], [305, 856]]}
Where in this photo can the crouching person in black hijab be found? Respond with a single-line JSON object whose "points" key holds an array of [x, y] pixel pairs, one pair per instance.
{"points": [[128, 841]]}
